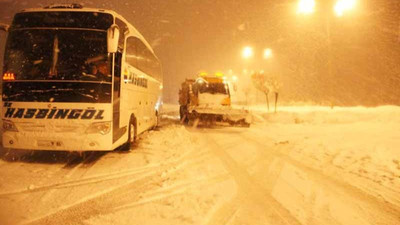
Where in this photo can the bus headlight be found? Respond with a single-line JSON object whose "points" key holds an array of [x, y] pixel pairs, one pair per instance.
{"points": [[9, 126], [99, 127]]}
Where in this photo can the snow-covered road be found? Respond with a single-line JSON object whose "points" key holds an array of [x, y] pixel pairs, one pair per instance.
{"points": [[311, 167]]}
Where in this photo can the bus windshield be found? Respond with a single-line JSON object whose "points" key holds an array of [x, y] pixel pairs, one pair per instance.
{"points": [[57, 54], [57, 65]]}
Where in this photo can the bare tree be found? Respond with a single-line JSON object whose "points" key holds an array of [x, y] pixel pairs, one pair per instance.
{"points": [[266, 84], [246, 91], [260, 82], [275, 86]]}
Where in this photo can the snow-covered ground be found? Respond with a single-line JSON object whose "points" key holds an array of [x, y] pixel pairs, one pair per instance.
{"points": [[354, 144], [303, 165]]}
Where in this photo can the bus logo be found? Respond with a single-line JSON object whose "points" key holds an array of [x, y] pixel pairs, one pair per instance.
{"points": [[71, 114]]}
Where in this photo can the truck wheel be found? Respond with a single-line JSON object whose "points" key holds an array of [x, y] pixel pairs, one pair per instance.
{"points": [[243, 123], [183, 114]]}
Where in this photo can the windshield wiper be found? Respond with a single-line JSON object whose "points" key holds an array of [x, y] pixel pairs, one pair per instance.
{"points": [[56, 50]]}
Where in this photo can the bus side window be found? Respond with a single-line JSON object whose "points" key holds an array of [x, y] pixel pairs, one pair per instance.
{"points": [[141, 50], [145, 59]]}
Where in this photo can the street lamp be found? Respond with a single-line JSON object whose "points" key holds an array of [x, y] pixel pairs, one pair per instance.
{"points": [[340, 8], [247, 52], [267, 53], [306, 6], [343, 6]]}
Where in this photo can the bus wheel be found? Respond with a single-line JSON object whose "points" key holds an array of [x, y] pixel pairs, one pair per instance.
{"points": [[132, 132]]}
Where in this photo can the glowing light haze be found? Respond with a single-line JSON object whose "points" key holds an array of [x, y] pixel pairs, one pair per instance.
{"points": [[267, 53], [343, 6], [247, 52], [306, 6]]}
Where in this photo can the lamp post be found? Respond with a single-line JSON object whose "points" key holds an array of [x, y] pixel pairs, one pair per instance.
{"points": [[247, 52], [306, 7], [343, 6], [340, 8], [267, 53]]}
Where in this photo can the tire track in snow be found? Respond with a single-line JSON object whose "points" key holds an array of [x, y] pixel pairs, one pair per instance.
{"points": [[281, 154], [173, 190], [108, 176], [102, 202], [59, 173], [364, 200], [74, 161], [224, 214], [86, 163], [275, 212]]}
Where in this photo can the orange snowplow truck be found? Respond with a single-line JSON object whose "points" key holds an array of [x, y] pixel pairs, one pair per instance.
{"points": [[207, 100]]}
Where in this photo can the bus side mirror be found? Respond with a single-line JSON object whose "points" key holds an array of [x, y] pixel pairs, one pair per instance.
{"points": [[112, 38], [4, 27]]}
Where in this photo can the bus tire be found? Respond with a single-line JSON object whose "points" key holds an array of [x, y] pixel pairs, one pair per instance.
{"points": [[132, 134]]}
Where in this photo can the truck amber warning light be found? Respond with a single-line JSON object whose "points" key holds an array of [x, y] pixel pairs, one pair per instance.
{"points": [[8, 76]]}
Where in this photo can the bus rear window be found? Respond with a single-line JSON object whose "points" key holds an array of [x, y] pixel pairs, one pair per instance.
{"points": [[88, 20]]}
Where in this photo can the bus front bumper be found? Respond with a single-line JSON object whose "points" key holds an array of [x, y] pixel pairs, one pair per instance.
{"points": [[57, 141]]}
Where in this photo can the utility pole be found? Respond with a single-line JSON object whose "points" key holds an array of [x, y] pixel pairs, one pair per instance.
{"points": [[329, 54]]}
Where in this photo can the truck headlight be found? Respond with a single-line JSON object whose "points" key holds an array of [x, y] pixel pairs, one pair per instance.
{"points": [[9, 126], [99, 127]]}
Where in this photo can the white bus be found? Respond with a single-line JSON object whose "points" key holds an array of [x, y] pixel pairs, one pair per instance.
{"points": [[77, 79]]}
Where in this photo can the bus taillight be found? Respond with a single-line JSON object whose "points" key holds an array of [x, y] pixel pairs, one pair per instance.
{"points": [[8, 76]]}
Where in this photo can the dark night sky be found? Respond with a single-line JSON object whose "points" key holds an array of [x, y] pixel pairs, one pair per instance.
{"points": [[191, 36]]}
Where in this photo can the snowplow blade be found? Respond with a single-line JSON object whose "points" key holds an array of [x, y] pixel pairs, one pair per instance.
{"points": [[233, 117]]}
